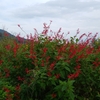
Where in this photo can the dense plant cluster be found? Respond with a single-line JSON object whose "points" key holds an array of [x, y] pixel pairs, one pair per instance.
{"points": [[50, 67]]}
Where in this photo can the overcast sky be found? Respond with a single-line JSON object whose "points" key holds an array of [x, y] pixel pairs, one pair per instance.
{"points": [[67, 14]]}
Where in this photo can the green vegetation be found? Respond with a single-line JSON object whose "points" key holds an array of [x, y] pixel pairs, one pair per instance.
{"points": [[50, 68]]}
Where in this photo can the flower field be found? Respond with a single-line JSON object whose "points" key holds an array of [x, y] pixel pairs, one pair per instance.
{"points": [[50, 67]]}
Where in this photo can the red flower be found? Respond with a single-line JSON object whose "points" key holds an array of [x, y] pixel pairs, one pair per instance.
{"points": [[7, 72], [19, 38], [72, 51], [96, 63], [77, 73], [82, 36], [18, 87], [45, 31], [26, 70], [48, 73], [6, 90], [58, 57], [16, 95], [53, 95], [15, 49], [42, 63], [8, 47], [47, 59], [46, 28], [74, 75], [77, 67], [59, 30], [57, 76], [71, 76], [18, 25], [52, 66], [1, 62], [45, 50], [20, 78]]}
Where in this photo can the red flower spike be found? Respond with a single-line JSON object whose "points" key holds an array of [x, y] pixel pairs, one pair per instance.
{"points": [[15, 49], [77, 67], [20, 39], [57, 76], [89, 34], [42, 63], [49, 74], [50, 38], [71, 76], [96, 63], [77, 73], [78, 31], [18, 25], [27, 36], [52, 66], [82, 36], [74, 75], [26, 70], [59, 31], [46, 28], [18, 87], [47, 59], [58, 57], [35, 30], [6, 90]]}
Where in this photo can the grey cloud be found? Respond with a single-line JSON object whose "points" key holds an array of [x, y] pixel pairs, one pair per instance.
{"points": [[57, 9], [74, 4], [37, 11], [68, 14]]}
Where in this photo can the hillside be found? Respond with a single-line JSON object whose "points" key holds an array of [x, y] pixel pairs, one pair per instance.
{"points": [[4, 33]]}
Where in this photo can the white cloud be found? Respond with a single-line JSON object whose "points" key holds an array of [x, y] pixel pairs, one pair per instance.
{"points": [[70, 15]]}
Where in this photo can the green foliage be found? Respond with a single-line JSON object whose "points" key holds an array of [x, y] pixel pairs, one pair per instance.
{"points": [[49, 68], [96, 43]]}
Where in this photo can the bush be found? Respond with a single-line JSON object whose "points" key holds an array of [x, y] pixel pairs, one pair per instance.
{"points": [[49, 68]]}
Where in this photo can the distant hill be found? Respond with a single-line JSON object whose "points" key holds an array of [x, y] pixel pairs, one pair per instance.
{"points": [[4, 33]]}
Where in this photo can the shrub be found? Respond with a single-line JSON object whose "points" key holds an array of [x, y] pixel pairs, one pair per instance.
{"points": [[49, 68]]}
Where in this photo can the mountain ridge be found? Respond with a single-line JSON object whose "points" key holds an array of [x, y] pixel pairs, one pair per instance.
{"points": [[4, 33]]}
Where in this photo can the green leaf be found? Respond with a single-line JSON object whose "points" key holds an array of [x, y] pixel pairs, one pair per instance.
{"points": [[67, 69], [77, 40], [62, 73], [64, 88]]}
